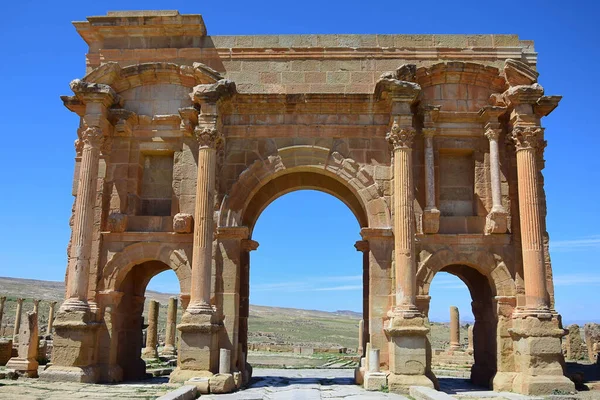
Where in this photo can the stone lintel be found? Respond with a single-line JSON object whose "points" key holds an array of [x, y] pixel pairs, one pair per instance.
{"points": [[157, 237], [234, 232], [377, 233]]}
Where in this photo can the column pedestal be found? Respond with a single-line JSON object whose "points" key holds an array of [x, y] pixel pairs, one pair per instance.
{"points": [[74, 348], [539, 363], [198, 354], [409, 364]]}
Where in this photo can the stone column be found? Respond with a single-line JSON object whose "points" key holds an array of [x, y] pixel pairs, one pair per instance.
{"points": [[536, 328], [431, 214], [169, 348], [75, 328], [2, 301], [83, 218], [497, 218], [51, 317], [224, 361], [18, 320], [36, 306], [363, 247], [470, 336], [152, 331], [454, 329], [407, 328], [527, 140], [405, 267], [199, 326], [361, 332], [248, 245]]}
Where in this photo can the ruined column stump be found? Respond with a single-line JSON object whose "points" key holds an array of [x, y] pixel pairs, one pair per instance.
{"points": [[150, 351], [26, 361], [169, 349]]}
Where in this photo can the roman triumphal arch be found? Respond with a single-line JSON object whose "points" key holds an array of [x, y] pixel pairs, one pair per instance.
{"points": [[433, 141]]}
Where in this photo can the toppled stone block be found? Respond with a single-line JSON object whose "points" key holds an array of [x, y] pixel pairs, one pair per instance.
{"points": [[375, 380], [26, 363], [201, 383], [183, 223], [222, 383]]}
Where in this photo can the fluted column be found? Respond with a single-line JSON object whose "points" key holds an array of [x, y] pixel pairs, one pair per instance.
{"points": [[527, 140], [81, 242], [169, 348], [19, 311], [405, 268], [51, 317], [208, 139]]}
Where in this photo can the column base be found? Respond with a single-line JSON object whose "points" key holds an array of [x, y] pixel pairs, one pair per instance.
{"points": [[24, 366], [409, 363], [149, 353], [198, 346], [401, 383], [110, 373], [71, 374], [431, 220], [496, 222], [168, 351], [539, 360]]}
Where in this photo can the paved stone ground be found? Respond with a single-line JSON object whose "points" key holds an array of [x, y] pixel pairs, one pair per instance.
{"points": [[34, 389], [303, 384]]}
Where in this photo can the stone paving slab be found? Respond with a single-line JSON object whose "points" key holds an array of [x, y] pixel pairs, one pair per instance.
{"points": [[304, 384]]}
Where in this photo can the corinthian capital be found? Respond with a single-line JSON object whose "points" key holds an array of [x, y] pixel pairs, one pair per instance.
{"points": [[208, 137], [526, 137], [93, 136], [401, 138], [492, 134]]}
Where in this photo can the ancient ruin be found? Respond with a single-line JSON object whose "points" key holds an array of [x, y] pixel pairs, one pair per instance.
{"points": [[434, 142]]}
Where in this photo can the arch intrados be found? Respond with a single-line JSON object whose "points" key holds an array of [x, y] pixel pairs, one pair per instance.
{"points": [[496, 273], [471, 284], [291, 180], [121, 264]]}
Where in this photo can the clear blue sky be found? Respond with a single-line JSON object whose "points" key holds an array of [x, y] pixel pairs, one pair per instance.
{"points": [[42, 53]]}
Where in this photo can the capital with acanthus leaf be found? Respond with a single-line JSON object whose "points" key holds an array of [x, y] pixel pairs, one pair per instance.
{"points": [[401, 137], [208, 137], [526, 137]]}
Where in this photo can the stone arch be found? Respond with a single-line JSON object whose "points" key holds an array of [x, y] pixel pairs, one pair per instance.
{"points": [[461, 72], [486, 263], [121, 263], [305, 167], [123, 78], [487, 278]]}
